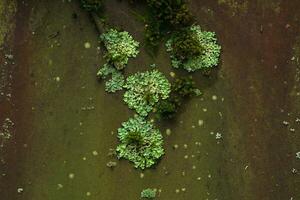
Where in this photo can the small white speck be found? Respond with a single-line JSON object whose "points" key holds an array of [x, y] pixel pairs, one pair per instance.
{"points": [[168, 132], [59, 186], [87, 45], [95, 153], [294, 171], [292, 130], [172, 74], [220, 114], [200, 122], [298, 155], [20, 190], [57, 79], [71, 176], [285, 123], [142, 175], [218, 136]]}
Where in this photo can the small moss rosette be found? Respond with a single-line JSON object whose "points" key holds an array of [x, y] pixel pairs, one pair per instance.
{"points": [[145, 89], [140, 142], [148, 193], [120, 47], [210, 50], [117, 78]]}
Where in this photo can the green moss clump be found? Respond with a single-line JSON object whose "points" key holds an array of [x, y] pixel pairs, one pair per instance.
{"points": [[120, 46], [171, 13], [148, 193], [105, 71], [117, 78], [167, 109], [186, 45], [185, 87], [194, 50], [145, 89], [180, 90], [115, 83], [140, 142], [163, 17]]}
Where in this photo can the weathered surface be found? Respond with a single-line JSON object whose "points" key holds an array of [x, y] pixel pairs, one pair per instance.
{"points": [[59, 146]]}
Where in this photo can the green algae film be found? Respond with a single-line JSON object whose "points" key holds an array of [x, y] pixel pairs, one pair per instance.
{"points": [[219, 147]]}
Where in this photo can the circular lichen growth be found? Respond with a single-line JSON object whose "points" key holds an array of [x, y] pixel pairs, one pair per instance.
{"points": [[140, 142], [145, 89], [120, 46], [194, 49]]}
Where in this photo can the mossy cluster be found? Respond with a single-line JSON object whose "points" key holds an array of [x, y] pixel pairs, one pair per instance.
{"points": [[163, 17], [120, 46], [204, 54], [116, 81], [185, 45], [171, 13], [148, 193], [140, 142], [185, 87], [190, 48], [145, 89], [181, 89]]}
